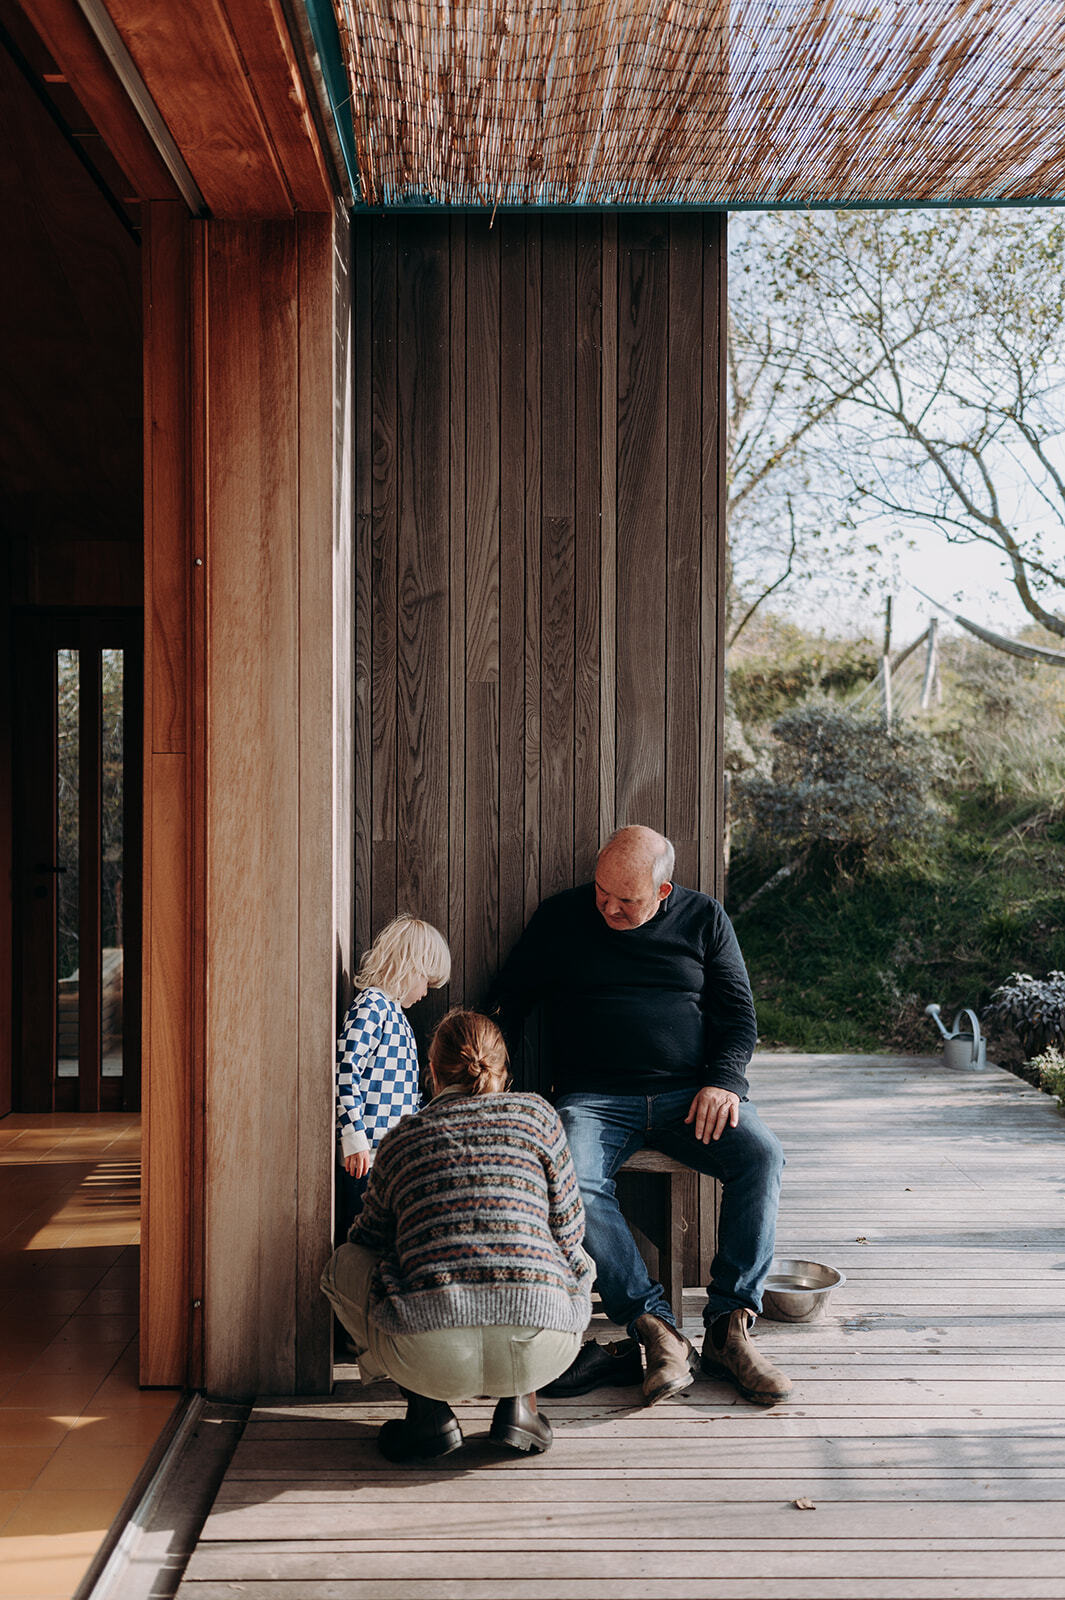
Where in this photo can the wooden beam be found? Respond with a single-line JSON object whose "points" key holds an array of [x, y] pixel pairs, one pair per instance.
{"points": [[170, 1181], [318, 839], [266, 48], [64, 31], [226, 82], [713, 576]]}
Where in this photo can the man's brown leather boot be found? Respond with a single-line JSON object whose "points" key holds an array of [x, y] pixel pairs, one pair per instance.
{"points": [[729, 1353], [667, 1358]]}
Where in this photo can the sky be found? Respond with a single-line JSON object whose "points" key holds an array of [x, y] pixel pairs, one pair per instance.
{"points": [[971, 579]]}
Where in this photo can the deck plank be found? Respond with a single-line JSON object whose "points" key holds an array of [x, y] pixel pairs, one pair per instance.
{"points": [[927, 1424]]}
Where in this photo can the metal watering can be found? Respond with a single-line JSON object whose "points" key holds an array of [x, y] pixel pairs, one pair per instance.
{"points": [[963, 1049]]}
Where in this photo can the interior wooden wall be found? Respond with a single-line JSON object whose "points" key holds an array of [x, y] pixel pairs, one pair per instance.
{"points": [[70, 467], [539, 508], [70, 444]]}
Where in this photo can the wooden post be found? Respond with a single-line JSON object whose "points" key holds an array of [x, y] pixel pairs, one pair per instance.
{"points": [[172, 978], [886, 708], [273, 925], [930, 685]]}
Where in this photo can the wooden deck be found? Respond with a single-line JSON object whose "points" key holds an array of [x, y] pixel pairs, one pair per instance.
{"points": [[927, 1425]]}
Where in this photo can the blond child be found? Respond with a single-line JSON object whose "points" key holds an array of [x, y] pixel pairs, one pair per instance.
{"points": [[377, 1058]]}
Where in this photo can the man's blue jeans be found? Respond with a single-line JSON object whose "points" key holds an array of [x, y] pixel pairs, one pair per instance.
{"points": [[603, 1131]]}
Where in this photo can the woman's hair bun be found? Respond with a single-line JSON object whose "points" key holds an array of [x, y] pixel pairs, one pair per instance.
{"points": [[467, 1052]]}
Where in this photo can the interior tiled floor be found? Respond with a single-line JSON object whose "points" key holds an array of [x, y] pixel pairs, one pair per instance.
{"points": [[75, 1428]]}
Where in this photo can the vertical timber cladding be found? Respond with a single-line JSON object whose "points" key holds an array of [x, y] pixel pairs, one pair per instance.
{"points": [[274, 631], [539, 558]]}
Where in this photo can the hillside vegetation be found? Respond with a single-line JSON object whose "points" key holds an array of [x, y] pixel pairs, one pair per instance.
{"points": [[925, 865]]}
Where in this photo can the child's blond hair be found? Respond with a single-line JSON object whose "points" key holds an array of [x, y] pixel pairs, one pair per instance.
{"points": [[405, 949]]}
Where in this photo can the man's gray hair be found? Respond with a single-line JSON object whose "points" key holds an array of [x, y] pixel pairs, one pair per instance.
{"points": [[662, 866], [663, 862]]}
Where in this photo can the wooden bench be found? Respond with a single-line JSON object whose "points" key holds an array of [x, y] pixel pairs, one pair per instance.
{"points": [[672, 1212]]}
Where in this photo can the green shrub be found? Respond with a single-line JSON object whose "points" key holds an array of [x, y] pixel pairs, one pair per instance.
{"points": [[1048, 1071], [1031, 1008], [762, 689], [842, 786]]}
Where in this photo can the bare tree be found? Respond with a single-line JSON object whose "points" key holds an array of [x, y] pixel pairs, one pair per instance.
{"points": [[906, 366]]}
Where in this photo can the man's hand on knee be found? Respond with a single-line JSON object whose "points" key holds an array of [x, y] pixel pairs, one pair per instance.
{"points": [[712, 1111]]}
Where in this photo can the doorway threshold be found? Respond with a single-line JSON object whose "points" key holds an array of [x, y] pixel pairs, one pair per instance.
{"points": [[154, 1535]]}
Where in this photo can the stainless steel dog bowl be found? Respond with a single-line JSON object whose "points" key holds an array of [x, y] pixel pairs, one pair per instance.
{"points": [[798, 1291]]}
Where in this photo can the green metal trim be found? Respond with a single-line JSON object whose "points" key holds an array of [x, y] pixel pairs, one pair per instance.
{"points": [[326, 35], [441, 208]]}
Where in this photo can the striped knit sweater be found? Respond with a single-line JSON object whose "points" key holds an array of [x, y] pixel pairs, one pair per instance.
{"points": [[474, 1209]]}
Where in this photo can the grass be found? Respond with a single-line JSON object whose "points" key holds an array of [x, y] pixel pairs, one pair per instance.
{"points": [[848, 963]]}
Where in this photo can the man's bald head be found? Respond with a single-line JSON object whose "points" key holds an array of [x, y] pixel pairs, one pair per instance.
{"points": [[633, 876]]}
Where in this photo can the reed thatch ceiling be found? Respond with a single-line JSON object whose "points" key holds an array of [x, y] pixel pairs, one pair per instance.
{"points": [[669, 102]]}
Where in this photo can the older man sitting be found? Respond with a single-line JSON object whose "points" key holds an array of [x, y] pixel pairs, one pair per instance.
{"points": [[651, 1025]]}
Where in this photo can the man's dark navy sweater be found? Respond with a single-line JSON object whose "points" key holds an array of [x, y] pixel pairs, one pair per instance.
{"points": [[641, 1010]]}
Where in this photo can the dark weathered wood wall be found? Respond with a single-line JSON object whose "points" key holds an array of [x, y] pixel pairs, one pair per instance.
{"points": [[539, 561]]}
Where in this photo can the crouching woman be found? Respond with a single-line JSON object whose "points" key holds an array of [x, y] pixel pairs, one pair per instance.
{"points": [[464, 1275]]}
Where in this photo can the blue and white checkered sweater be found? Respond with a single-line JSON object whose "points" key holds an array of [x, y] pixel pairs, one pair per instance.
{"points": [[377, 1071]]}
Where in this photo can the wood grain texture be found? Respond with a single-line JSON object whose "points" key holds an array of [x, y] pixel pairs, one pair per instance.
{"points": [[382, 575], [512, 537], [268, 56], [608, 536], [422, 453], [642, 509], [167, 1134], [532, 569], [455, 927], [929, 1437], [197, 801], [133, 863], [172, 972], [557, 553], [482, 643], [587, 514], [532, 727], [224, 78], [535, 404], [70, 40], [319, 915], [684, 544], [253, 866], [664, 1202], [362, 577], [343, 600], [531, 399], [712, 645], [167, 498]]}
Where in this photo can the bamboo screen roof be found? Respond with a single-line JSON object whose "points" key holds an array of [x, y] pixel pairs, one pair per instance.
{"points": [[753, 102]]}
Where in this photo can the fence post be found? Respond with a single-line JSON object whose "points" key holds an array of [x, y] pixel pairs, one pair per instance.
{"points": [[930, 685], [885, 690]]}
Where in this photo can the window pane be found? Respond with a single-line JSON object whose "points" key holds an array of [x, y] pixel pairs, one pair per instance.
{"points": [[66, 863], [112, 866]]}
